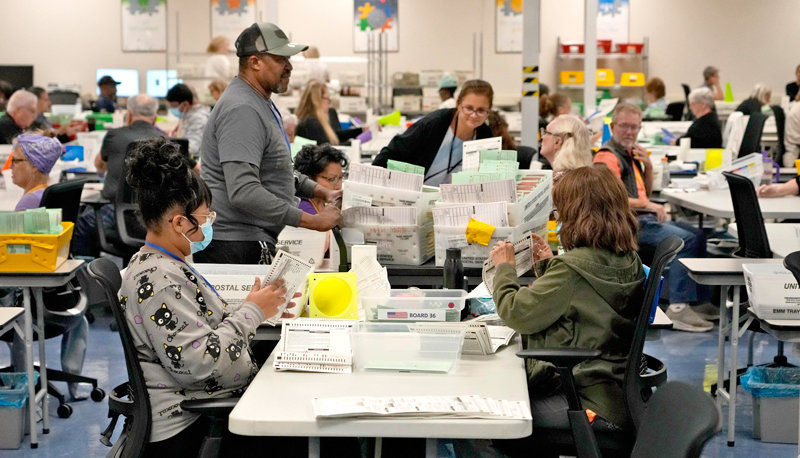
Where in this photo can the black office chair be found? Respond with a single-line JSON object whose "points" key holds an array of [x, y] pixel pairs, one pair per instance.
{"points": [[642, 374], [525, 155], [669, 430], [751, 140], [753, 243], [131, 399], [61, 97], [129, 227], [780, 126], [675, 110], [792, 262], [686, 90]]}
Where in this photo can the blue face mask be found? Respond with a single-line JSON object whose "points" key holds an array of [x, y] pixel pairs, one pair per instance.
{"points": [[176, 112], [208, 234]]}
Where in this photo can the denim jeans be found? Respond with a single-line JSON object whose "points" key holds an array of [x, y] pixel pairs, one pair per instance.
{"points": [[681, 287]]}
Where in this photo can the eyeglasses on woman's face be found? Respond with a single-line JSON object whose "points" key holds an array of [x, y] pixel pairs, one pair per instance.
{"points": [[333, 179], [210, 217], [480, 112]]}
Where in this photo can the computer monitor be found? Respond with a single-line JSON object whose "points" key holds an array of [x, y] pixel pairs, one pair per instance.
{"points": [[160, 81], [20, 76], [128, 79]]}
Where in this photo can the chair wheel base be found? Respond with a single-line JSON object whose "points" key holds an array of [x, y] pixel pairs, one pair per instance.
{"points": [[97, 394], [64, 411], [34, 445], [730, 443]]}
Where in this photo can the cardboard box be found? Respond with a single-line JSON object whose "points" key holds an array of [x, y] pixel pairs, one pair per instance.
{"points": [[773, 291], [430, 78], [352, 104], [407, 103]]}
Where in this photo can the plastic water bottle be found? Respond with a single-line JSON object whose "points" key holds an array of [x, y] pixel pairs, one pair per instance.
{"points": [[454, 273], [665, 178], [766, 177]]}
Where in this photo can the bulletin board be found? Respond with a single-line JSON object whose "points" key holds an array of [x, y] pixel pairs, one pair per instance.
{"points": [[508, 26], [144, 25], [613, 20], [375, 15], [229, 18]]}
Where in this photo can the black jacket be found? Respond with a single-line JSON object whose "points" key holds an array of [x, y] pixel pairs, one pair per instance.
{"points": [[8, 130], [115, 145], [705, 132], [419, 144], [311, 128]]}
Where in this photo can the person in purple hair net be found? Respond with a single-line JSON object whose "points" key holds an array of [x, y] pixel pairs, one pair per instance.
{"points": [[32, 159]]}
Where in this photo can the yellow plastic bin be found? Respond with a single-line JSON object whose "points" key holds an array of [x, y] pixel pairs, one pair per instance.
{"points": [[35, 253]]}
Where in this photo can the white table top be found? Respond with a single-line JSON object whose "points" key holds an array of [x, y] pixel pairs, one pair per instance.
{"points": [[279, 403], [721, 271], [783, 237], [718, 202], [41, 279], [8, 314]]}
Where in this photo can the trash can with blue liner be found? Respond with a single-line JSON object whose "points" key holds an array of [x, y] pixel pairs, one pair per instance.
{"points": [[13, 407], [775, 402]]}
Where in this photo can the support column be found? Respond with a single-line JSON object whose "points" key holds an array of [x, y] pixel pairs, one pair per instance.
{"points": [[530, 73], [590, 57]]}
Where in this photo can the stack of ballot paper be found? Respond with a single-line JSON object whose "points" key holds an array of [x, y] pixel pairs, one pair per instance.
{"points": [[315, 345], [470, 406], [294, 272], [392, 208], [491, 200]]}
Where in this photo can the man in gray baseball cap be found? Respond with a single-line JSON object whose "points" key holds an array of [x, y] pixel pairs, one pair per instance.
{"points": [[246, 159]]}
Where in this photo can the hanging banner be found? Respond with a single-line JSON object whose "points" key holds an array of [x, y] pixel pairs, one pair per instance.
{"points": [[508, 26], [229, 18], [375, 15], [144, 25], [612, 20]]}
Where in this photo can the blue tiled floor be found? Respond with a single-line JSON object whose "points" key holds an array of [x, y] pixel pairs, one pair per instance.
{"points": [[688, 356]]}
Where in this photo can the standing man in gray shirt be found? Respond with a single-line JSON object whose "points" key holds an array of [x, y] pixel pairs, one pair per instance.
{"points": [[246, 158]]}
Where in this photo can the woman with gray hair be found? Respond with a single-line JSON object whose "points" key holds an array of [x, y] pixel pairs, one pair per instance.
{"points": [[566, 144], [705, 131], [758, 98]]}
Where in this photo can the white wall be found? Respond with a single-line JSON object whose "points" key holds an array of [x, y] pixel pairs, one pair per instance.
{"points": [[750, 41]]}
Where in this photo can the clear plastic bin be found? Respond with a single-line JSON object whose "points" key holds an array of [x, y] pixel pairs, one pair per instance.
{"points": [[13, 407], [406, 347], [775, 402], [406, 305]]}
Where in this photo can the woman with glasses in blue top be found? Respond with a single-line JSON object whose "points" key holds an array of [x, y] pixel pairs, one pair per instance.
{"points": [[435, 141]]}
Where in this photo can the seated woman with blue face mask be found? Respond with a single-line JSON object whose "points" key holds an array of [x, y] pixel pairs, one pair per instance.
{"points": [[192, 344]]}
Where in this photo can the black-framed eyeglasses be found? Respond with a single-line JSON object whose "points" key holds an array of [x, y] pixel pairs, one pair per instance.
{"points": [[470, 110]]}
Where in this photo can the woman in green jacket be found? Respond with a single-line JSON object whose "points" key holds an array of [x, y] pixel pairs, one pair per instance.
{"points": [[587, 297]]}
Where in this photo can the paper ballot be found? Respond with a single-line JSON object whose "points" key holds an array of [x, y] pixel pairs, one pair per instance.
{"points": [[313, 345], [492, 191], [294, 271], [422, 407], [523, 255], [471, 151], [378, 176], [495, 213]]}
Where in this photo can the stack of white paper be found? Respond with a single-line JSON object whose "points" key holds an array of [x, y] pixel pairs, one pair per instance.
{"points": [[294, 271], [523, 256], [470, 406], [313, 345], [395, 216], [495, 213], [379, 176], [490, 191]]}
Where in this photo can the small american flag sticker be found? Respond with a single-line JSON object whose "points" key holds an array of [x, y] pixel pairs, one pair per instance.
{"points": [[397, 315]]}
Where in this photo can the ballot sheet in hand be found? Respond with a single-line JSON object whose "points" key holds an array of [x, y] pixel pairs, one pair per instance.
{"points": [[294, 271], [523, 256]]}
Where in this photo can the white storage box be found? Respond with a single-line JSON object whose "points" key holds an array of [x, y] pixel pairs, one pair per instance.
{"points": [[537, 204], [415, 305], [352, 104], [367, 195], [406, 347], [474, 255], [430, 103], [773, 291], [400, 245], [407, 103], [430, 78], [351, 78]]}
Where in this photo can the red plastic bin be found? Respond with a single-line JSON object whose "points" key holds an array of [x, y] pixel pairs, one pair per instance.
{"points": [[630, 48], [604, 46], [572, 48]]}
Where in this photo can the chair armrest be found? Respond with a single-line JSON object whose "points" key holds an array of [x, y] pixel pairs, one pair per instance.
{"points": [[656, 374], [561, 357], [117, 402], [211, 407]]}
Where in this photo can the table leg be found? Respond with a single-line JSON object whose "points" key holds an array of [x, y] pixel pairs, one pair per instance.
{"points": [[313, 447], [378, 447], [431, 448], [723, 321], [28, 337], [42, 359], [734, 364]]}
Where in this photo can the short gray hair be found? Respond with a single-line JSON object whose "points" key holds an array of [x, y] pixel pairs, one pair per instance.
{"points": [[625, 107], [762, 93], [142, 105], [702, 95], [22, 99], [709, 71]]}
